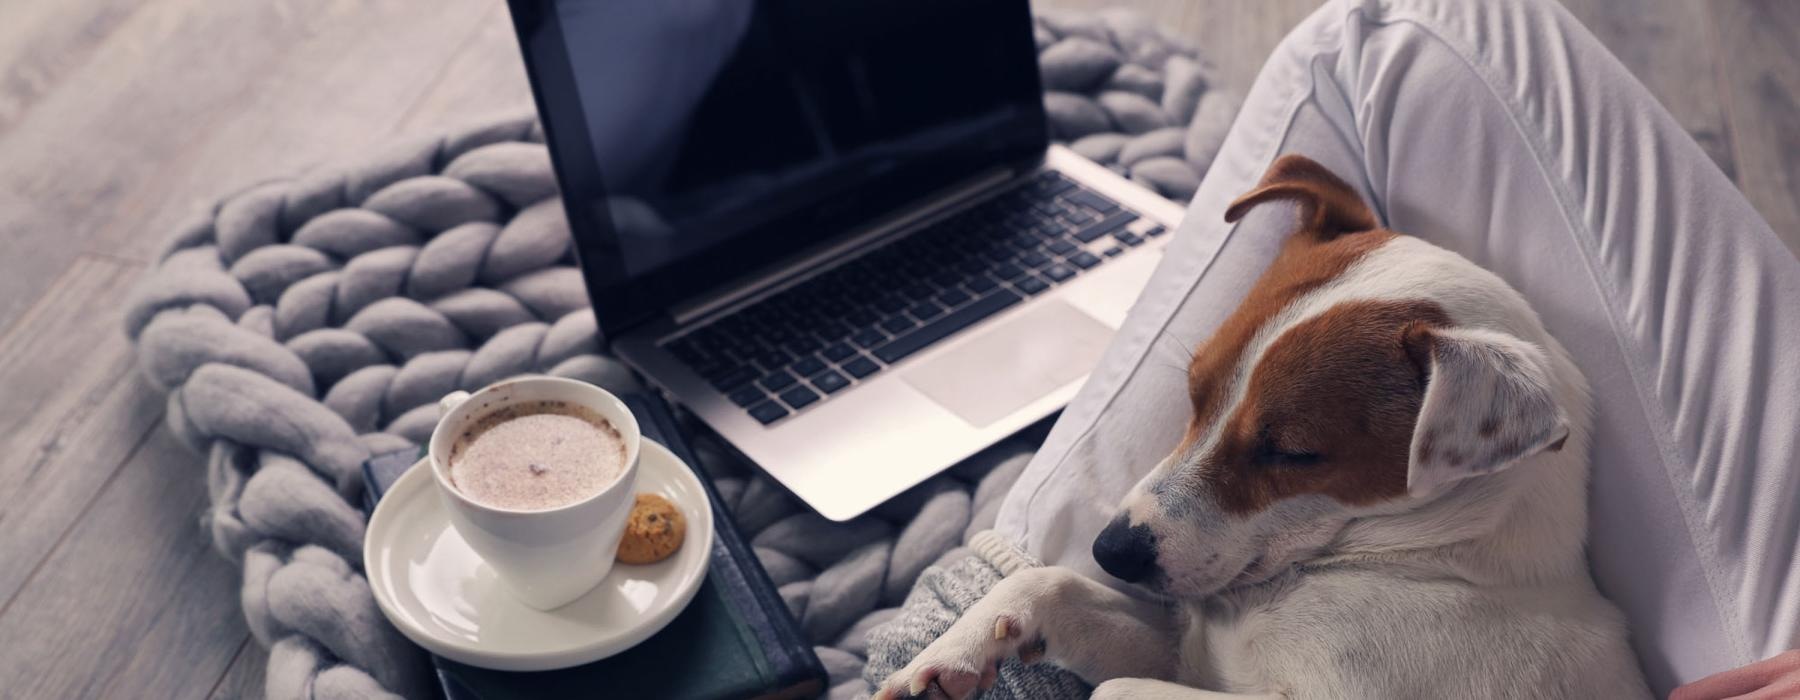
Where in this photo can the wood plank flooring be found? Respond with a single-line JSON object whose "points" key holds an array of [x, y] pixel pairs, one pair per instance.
{"points": [[119, 117], [1758, 45]]}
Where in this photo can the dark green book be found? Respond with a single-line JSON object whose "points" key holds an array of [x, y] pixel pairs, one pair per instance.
{"points": [[735, 640]]}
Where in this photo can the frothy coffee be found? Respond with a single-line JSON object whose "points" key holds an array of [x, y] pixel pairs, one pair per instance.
{"points": [[536, 455]]}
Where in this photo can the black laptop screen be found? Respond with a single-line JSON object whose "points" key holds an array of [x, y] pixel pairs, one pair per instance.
{"points": [[697, 140]]}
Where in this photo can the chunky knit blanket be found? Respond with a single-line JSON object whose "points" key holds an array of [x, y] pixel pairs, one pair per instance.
{"points": [[302, 325]]}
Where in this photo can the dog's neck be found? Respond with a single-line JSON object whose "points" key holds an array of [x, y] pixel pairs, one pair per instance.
{"points": [[1522, 527]]}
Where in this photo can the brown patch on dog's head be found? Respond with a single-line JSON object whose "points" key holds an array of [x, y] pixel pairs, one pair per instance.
{"points": [[1310, 258], [1330, 405], [1329, 410]]}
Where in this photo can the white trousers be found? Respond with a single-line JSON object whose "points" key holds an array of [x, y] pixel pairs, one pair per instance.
{"points": [[1504, 131]]}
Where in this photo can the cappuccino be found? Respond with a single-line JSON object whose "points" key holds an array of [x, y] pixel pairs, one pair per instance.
{"points": [[536, 455]]}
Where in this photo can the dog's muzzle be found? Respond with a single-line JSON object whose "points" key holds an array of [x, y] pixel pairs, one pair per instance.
{"points": [[1126, 551]]}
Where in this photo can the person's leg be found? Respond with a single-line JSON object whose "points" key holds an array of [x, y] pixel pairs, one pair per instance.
{"points": [[1546, 162], [1506, 132]]}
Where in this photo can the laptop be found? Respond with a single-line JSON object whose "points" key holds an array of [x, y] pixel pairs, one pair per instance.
{"points": [[837, 233]]}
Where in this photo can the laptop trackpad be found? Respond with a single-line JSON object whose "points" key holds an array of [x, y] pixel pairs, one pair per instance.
{"points": [[1012, 363]]}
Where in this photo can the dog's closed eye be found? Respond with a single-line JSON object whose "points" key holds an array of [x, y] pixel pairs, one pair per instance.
{"points": [[1278, 458], [1271, 452]]}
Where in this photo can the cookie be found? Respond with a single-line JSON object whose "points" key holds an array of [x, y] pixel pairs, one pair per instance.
{"points": [[653, 531]]}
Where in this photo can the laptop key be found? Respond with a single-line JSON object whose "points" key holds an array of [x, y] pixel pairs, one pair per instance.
{"points": [[768, 412], [1091, 201], [1084, 260], [910, 343], [1061, 247], [868, 338], [925, 310], [832, 330], [838, 352], [1031, 285], [1008, 271], [1104, 226], [1154, 232], [1128, 238], [1114, 251], [777, 380], [736, 378], [897, 324], [711, 368], [740, 349], [803, 345], [994, 255], [861, 367], [808, 366], [1059, 272], [1047, 227], [890, 305], [772, 360], [799, 397], [1033, 259], [952, 298], [746, 396], [980, 284], [830, 382]]}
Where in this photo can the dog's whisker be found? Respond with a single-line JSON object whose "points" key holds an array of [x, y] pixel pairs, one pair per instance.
{"points": [[1178, 369], [1187, 349]]}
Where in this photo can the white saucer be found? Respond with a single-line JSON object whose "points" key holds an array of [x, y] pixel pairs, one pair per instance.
{"points": [[444, 598]]}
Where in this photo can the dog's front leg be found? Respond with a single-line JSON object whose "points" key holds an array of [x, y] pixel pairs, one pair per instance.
{"points": [[1047, 613]]}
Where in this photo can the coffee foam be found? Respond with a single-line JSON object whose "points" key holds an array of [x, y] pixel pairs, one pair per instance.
{"points": [[536, 455]]}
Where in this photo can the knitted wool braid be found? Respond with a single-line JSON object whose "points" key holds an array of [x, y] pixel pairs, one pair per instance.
{"points": [[301, 326]]}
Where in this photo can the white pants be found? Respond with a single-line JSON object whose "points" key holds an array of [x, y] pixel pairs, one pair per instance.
{"points": [[1506, 132]]}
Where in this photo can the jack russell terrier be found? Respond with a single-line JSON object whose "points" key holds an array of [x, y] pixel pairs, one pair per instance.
{"points": [[1382, 493]]}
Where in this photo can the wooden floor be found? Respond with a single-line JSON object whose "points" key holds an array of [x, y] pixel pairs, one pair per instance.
{"points": [[119, 117]]}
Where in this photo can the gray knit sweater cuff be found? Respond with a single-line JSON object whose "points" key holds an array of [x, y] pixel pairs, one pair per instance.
{"points": [[941, 595]]}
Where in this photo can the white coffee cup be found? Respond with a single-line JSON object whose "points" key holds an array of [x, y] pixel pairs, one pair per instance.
{"points": [[547, 558]]}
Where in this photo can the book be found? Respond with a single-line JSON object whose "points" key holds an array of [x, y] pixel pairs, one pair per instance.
{"points": [[736, 639]]}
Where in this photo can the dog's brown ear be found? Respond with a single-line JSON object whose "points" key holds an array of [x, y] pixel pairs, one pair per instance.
{"points": [[1489, 402], [1329, 206]]}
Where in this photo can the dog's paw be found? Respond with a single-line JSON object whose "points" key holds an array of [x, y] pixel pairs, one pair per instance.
{"points": [[965, 659]]}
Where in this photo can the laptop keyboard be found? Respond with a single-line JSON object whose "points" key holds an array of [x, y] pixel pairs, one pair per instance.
{"points": [[794, 349]]}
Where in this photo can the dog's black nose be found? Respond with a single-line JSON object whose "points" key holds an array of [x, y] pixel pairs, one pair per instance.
{"points": [[1126, 551]]}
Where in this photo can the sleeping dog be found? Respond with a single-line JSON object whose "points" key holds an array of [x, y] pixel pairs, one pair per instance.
{"points": [[1381, 494]]}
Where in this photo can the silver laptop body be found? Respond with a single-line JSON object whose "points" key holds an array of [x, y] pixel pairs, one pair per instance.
{"points": [[868, 442]]}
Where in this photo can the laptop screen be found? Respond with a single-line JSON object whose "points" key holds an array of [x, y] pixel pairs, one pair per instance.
{"points": [[698, 140]]}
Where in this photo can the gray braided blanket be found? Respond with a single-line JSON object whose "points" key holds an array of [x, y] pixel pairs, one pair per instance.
{"points": [[301, 326]]}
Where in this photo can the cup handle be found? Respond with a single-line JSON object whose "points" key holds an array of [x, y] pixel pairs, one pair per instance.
{"points": [[451, 401]]}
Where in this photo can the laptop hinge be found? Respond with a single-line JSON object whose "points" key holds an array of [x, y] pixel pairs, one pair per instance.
{"points": [[813, 258]]}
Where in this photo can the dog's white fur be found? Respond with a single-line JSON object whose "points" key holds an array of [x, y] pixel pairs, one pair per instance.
{"points": [[1473, 584]]}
